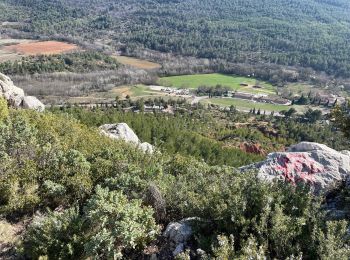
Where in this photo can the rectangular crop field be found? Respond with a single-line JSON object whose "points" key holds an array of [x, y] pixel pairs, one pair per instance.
{"points": [[137, 63], [40, 48]]}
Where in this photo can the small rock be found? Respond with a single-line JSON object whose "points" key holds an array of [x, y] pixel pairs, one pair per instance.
{"points": [[178, 234], [200, 252], [179, 249], [147, 148]]}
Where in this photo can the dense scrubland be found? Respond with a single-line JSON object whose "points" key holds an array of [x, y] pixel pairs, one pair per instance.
{"points": [[83, 195]]}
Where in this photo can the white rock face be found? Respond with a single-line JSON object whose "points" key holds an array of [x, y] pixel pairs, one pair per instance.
{"points": [[313, 163], [10, 92], [30, 102], [120, 131], [178, 234], [15, 96], [123, 132]]}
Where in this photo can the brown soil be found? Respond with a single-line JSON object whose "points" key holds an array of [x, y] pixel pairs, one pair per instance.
{"points": [[45, 47]]}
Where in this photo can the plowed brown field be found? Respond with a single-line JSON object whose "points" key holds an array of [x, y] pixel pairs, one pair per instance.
{"points": [[45, 47]]}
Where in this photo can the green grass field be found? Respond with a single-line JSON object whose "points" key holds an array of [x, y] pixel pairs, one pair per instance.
{"points": [[245, 104], [231, 81]]}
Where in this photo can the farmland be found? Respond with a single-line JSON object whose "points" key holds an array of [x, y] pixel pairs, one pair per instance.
{"points": [[137, 63], [41, 48], [231, 81], [9, 55]]}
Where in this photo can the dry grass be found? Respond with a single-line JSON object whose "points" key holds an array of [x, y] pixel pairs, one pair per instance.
{"points": [[13, 41], [9, 56], [137, 63], [38, 48]]}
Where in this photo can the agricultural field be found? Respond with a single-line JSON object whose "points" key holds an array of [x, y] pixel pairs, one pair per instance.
{"points": [[8, 55], [40, 48], [15, 49], [246, 105], [137, 63], [243, 84]]}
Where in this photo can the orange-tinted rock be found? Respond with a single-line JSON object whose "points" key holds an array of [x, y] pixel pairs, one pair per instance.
{"points": [[252, 148]]}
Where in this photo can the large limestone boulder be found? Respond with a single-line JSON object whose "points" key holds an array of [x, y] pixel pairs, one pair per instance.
{"points": [[30, 102], [123, 132], [120, 131], [10, 92], [307, 162], [15, 96]]}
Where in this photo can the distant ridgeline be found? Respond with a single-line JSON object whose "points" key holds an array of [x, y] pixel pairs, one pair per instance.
{"points": [[290, 32]]}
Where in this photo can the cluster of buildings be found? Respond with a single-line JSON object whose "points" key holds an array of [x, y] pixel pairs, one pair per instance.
{"points": [[175, 91], [262, 98]]}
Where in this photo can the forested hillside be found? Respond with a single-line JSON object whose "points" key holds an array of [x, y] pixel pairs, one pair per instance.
{"points": [[289, 32], [135, 157]]}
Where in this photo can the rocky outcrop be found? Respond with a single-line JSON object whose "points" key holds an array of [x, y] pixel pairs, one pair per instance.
{"points": [[312, 163], [123, 132], [30, 102], [178, 234], [10, 92], [15, 96], [120, 132]]}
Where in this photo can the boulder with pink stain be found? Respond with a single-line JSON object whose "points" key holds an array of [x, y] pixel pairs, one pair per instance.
{"points": [[312, 163]]}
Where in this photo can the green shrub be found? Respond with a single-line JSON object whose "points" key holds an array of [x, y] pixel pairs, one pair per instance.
{"points": [[282, 219], [117, 224], [56, 236], [4, 112]]}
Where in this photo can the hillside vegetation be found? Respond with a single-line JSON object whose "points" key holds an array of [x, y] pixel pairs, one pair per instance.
{"points": [[73, 62], [87, 196], [289, 32]]}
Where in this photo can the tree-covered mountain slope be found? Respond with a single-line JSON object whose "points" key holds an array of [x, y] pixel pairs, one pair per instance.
{"points": [[290, 32]]}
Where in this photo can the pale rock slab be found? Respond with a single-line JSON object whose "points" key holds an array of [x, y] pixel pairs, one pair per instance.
{"points": [[122, 131], [31, 102]]}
